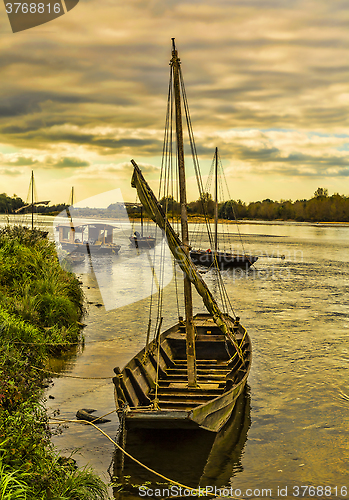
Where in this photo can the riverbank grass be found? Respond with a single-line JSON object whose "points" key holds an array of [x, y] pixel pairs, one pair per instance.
{"points": [[41, 306]]}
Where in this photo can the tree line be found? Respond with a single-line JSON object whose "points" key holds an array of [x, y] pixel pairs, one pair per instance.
{"points": [[320, 208], [10, 205]]}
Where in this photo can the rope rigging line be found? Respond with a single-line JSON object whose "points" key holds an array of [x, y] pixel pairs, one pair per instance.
{"points": [[232, 206], [168, 184], [222, 291], [195, 157], [198, 233]]}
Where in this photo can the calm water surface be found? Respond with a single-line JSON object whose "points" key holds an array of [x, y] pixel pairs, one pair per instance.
{"points": [[296, 310]]}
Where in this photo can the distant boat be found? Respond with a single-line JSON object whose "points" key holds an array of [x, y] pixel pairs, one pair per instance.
{"points": [[139, 240], [33, 204], [96, 238], [215, 257], [191, 375]]}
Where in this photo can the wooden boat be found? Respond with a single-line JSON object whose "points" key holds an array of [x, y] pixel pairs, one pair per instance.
{"points": [[191, 375], [221, 377], [216, 258], [96, 238], [222, 260], [138, 240]]}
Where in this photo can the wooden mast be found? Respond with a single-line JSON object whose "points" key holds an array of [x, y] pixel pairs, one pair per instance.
{"points": [[216, 203], [32, 183], [142, 221], [190, 331]]}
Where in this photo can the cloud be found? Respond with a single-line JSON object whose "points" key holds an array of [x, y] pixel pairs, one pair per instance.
{"points": [[70, 162], [264, 80], [21, 161]]}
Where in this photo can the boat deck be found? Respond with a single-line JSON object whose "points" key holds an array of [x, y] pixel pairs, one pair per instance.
{"points": [[170, 400], [173, 389]]}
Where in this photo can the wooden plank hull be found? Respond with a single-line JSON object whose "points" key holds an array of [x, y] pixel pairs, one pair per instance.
{"points": [[95, 249], [221, 379], [225, 260]]}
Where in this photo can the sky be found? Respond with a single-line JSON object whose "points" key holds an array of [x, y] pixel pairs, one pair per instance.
{"points": [[267, 82]]}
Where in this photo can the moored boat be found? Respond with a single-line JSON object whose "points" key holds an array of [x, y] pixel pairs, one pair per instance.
{"points": [[166, 401], [87, 238], [214, 257], [191, 375], [138, 240], [223, 260]]}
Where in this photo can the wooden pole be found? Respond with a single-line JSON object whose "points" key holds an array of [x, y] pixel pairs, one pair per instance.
{"points": [[32, 200], [142, 221], [190, 331], [216, 203]]}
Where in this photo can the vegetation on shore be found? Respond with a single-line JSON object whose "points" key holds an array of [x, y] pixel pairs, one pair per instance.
{"points": [[320, 208], [41, 306]]}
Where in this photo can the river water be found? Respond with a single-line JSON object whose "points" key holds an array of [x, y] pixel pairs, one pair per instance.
{"points": [[294, 432]]}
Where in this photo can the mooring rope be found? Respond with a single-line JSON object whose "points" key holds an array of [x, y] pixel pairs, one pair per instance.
{"points": [[198, 491], [45, 370], [69, 376]]}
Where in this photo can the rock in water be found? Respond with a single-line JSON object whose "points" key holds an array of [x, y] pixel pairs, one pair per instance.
{"points": [[85, 414]]}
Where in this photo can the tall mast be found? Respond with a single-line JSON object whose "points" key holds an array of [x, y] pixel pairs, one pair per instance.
{"points": [[32, 183], [216, 202], [142, 221], [190, 331]]}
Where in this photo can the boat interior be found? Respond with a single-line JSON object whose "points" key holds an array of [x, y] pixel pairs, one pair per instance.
{"points": [[219, 368]]}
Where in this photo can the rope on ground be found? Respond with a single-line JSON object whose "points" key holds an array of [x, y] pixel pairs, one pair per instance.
{"points": [[70, 376], [64, 344], [45, 370], [198, 491]]}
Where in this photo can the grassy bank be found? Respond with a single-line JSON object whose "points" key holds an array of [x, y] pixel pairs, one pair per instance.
{"points": [[41, 306]]}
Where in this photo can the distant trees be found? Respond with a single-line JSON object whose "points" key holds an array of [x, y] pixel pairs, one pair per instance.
{"points": [[8, 205], [321, 193], [204, 205], [170, 205], [321, 207]]}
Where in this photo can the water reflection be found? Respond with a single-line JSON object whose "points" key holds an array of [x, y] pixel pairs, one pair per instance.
{"points": [[193, 458]]}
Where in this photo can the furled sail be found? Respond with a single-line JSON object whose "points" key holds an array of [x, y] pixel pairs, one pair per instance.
{"points": [[157, 214]]}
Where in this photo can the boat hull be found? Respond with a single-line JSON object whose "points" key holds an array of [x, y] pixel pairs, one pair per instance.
{"points": [[221, 379], [224, 260], [211, 417], [142, 242], [91, 248]]}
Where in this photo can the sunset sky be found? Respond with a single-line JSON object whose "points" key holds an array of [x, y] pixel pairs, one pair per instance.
{"points": [[267, 82]]}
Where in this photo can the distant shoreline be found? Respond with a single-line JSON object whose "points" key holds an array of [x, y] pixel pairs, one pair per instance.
{"points": [[201, 220]]}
